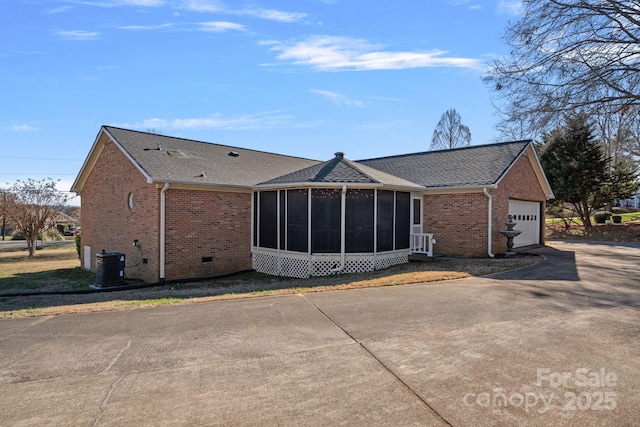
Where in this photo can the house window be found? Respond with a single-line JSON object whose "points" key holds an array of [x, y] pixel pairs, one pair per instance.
{"points": [[416, 212], [131, 201]]}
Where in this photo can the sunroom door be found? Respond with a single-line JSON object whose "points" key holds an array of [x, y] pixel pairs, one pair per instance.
{"points": [[417, 242], [416, 214]]}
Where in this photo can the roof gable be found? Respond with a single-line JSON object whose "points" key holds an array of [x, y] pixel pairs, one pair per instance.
{"points": [[340, 170], [182, 161], [474, 166]]}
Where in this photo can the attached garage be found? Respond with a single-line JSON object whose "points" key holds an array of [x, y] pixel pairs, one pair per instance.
{"points": [[526, 215]]}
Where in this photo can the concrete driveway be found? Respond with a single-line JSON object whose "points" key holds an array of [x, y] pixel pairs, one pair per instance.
{"points": [[557, 343]]}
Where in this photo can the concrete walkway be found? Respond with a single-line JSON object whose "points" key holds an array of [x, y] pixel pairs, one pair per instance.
{"points": [[552, 344]]}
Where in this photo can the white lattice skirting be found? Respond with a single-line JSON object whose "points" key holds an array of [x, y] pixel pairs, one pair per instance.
{"points": [[303, 265]]}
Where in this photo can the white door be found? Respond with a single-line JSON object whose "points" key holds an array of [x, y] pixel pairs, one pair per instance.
{"points": [[526, 215], [416, 214], [417, 241]]}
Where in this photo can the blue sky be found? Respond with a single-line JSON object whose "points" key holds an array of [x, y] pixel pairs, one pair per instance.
{"points": [[305, 78]]}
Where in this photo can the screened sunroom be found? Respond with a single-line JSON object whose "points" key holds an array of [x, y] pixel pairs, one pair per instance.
{"points": [[336, 217]]}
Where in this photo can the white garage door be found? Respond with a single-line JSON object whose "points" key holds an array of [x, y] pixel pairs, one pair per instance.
{"points": [[526, 215]]}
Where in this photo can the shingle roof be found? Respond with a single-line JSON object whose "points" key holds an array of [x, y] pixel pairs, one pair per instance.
{"points": [[177, 160], [460, 167], [182, 161], [341, 170]]}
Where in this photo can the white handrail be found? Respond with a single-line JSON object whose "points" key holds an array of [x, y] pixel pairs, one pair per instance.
{"points": [[422, 243]]}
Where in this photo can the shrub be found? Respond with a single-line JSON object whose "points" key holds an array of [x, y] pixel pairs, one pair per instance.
{"points": [[52, 234], [617, 219], [602, 217], [17, 236], [78, 242]]}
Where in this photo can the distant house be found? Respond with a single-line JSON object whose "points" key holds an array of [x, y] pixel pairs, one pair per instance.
{"points": [[196, 209], [632, 201]]}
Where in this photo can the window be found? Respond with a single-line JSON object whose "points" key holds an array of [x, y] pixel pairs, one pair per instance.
{"points": [[417, 220], [131, 201]]}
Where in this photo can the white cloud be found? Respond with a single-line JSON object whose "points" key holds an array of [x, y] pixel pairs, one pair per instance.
{"points": [[119, 3], [210, 6], [147, 27], [329, 53], [213, 6], [78, 35], [216, 121], [212, 26], [510, 7], [60, 9], [220, 26], [144, 3], [272, 15], [203, 6], [23, 127], [337, 98]]}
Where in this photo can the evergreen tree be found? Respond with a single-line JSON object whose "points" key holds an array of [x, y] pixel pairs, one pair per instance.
{"points": [[579, 171]]}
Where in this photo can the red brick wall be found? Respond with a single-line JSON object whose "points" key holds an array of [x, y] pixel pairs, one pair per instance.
{"points": [[108, 223], [198, 223], [520, 183], [202, 224], [459, 221]]}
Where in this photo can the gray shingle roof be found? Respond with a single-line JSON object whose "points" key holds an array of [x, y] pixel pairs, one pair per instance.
{"points": [[176, 160], [194, 162], [460, 167], [341, 170]]}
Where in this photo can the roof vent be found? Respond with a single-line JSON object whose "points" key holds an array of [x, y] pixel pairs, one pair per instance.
{"points": [[202, 175], [233, 154], [158, 148], [339, 154], [176, 153]]}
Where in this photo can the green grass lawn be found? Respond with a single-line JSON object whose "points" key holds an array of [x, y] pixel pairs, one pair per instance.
{"points": [[52, 268], [58, 268], [632, 216]]}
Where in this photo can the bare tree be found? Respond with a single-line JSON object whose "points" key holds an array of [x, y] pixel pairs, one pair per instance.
{"points": [[33, 208], [567, 56], [5, 197], [450, 132]]}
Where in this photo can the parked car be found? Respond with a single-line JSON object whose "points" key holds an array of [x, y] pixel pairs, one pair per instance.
{"points": [[72, 231]]}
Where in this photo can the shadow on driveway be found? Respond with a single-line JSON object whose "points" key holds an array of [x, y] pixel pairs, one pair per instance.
{"points": [[607, 276], [557, 265]]}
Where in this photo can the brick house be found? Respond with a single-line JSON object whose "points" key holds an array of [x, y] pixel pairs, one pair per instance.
{"points": [[182, 209]]}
